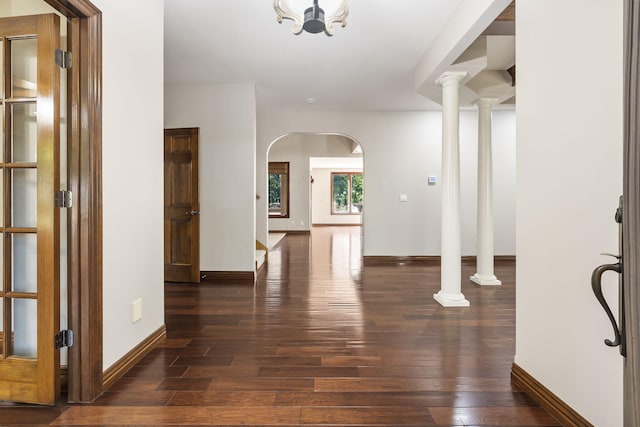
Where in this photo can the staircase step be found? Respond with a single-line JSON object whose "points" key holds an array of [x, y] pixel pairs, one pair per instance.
{"points": [[260, 257]]}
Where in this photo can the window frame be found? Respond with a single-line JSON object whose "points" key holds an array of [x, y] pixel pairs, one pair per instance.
{"points": [[350, 196], [282, 168]]}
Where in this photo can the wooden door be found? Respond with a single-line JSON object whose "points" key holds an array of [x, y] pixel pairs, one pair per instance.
{"points": [[29, 228], [181, 206]]}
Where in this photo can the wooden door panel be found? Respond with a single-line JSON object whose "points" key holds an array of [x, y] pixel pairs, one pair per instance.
{"points": [[179, 156], [181, 241], [19, 380], [181, 211]]}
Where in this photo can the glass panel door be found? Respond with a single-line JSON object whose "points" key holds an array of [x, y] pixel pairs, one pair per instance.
{"points": [[29, 220]]}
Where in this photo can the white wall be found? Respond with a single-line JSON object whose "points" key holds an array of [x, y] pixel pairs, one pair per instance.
{"points": [[297, 149], [401, 150], [504, 181], [226, 116], [569, 133], [321, 198], [132, 171]]}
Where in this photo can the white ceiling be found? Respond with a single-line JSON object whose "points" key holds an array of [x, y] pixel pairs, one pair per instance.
{"points": [[369, 65]]}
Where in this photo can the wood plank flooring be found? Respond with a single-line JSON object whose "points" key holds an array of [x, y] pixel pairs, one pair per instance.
{"points": [[321, 340]]}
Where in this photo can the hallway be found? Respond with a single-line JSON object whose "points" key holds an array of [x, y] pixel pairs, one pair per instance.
{"points": [[321, 341]]}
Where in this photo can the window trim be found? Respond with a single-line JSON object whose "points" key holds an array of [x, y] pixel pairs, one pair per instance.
{"points": [[283, 169], [331, 204]]}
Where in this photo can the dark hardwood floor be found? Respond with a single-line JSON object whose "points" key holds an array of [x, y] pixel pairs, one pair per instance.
{"points": [[321, 341]]}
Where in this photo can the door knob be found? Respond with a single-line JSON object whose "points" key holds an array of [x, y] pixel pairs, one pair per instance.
{"points": [[193, 213]]}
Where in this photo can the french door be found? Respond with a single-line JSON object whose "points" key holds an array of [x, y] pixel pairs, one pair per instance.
{"points": [[29, 219]]}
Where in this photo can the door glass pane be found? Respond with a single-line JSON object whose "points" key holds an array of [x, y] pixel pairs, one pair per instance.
{"points": [[2, 68], [1, 131], [25, 327], [24, 72], [24, 267], [1, 271], [25, 198], [24, 133], [1, 326], [2, 172]]}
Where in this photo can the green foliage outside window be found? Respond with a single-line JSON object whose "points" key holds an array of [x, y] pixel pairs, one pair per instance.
{"points": [[275, 190], [356, 193], [347, 193], [278, 189], [341, 193]]}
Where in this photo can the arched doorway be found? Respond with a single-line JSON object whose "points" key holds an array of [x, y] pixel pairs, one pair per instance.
{"points": [[314, 179]]}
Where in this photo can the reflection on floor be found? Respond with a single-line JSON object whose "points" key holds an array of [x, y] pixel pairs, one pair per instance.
{"points": [[321, 340], [275, 238]]}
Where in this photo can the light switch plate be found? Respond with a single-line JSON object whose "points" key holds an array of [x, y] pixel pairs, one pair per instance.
{"points": [[403, 198]]}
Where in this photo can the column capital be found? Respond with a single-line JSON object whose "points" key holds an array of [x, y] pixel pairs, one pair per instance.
{"points": [[451, 77], [485, 102]]}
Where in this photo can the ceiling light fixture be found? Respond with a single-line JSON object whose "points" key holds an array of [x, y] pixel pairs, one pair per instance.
{"points": [[312, 19]]}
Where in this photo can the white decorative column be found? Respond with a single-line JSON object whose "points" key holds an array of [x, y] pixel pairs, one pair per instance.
{"points": [[450, 294], [484, 262]]}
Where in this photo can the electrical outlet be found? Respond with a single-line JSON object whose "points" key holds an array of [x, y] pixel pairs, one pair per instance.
{"points": [[136, 310]]}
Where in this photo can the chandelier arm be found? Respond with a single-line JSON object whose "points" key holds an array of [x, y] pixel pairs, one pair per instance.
{"points": [[283, 10], [340, 16]]}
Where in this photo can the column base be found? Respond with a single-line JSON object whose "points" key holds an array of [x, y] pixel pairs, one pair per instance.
{"points": [[451, 300], [488, 280]]}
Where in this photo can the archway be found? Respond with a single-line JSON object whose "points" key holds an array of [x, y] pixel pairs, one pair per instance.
{"points": [[306, 165]]}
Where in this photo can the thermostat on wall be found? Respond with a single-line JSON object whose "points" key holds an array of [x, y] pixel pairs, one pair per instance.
{"points": [[432, 180]]}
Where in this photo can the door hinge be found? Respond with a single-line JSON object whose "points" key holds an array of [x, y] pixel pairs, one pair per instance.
{"points": [[63, 58], [64, 199], [64, 338]]}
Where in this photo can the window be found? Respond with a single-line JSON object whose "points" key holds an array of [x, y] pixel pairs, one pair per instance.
{"points": [[346, 193], [278, 189]]}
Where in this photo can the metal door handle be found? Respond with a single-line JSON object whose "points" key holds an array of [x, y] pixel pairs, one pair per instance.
{"points": [[193, 213], [596, 285], [619, 332]]}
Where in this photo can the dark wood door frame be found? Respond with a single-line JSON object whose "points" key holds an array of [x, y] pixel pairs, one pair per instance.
{"points": [[85, 181]]}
